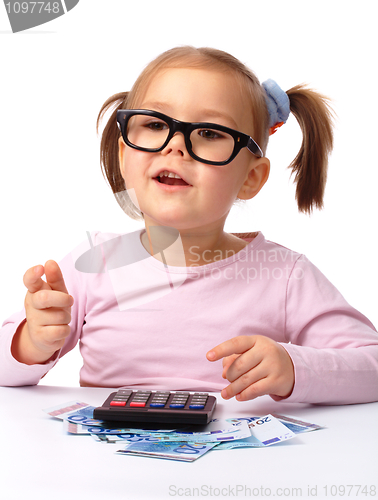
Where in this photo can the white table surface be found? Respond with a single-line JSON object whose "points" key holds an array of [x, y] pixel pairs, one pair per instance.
{"points": [[39, 460]]}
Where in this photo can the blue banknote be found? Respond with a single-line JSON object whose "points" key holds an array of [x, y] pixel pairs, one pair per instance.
{"points": [[187, 452]]}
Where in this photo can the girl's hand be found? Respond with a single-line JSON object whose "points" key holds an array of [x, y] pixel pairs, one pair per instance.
{"points": [[255, 365], [48, 314]]}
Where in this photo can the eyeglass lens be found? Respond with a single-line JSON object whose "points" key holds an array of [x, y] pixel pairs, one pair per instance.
{"points": [[151, 133]]}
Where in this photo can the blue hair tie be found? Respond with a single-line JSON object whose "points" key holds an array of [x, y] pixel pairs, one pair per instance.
{"points": [[278, 104]]}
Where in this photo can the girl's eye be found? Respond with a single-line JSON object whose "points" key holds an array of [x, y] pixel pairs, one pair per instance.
{"points": [[156, 126], [210, 134]]}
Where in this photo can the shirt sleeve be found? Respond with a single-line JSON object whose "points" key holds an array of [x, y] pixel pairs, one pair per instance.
{"points": [[334, 348], [14, 373]]}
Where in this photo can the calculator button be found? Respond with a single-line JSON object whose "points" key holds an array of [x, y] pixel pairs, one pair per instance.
{"points": [[117, 403], [157, 405], [196, 407], [138, 404], [177, 405]]}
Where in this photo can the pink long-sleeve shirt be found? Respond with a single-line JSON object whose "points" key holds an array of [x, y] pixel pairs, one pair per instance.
{"points": [[141, 323]]}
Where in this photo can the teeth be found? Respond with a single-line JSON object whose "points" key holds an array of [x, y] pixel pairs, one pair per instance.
{"points": [[166, 173]]}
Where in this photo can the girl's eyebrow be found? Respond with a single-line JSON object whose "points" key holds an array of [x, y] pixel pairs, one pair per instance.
{"points": [[211, 113], [166, 108]]}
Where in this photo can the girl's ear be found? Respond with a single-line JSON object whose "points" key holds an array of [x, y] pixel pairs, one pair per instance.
{"points": [[257, 176], [121, 152]]}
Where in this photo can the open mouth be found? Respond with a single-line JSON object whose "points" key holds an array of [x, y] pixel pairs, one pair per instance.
{"points": [[170, 179]]}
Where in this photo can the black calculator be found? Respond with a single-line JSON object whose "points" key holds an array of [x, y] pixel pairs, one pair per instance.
{"points": [[178, 407]]}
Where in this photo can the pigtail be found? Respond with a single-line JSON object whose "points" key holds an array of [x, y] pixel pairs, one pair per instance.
{"points": [[109, 153], [109, 142], [314, 116]]}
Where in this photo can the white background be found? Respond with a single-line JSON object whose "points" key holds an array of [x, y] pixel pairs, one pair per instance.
{"points": [[55, 77]]}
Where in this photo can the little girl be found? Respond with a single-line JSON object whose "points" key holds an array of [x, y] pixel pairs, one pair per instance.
{"points": [[160, 307]]}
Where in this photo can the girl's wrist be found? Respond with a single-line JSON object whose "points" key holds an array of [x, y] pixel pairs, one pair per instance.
{"points": [[24, 351]]}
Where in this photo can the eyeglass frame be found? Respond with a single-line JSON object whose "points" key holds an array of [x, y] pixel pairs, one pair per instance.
{"points": [[241, 140]]}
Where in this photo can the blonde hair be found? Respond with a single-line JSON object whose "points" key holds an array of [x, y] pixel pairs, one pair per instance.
{"points": [[311, 110]]}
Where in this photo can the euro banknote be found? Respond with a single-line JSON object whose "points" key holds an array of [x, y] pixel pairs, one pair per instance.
{"points": [[234, 433], [264, 431], [63, 410], [73, 428], [297, 426], [188, 443], [215, 431], [186, 452]]}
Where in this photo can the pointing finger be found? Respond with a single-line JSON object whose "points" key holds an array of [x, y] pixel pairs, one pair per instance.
{"points": [[237, 345], [54, 276]]}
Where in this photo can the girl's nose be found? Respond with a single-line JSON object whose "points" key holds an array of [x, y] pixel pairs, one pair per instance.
{"points": [[176, 146]]}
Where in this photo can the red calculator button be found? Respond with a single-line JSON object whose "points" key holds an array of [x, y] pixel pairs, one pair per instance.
{"points": [[117, 403], [138, 404]]}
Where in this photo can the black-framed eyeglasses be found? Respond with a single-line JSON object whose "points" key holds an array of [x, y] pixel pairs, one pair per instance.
{"points": [[208, 143]]}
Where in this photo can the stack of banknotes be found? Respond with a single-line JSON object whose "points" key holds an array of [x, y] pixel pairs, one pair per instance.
{"points": [[184, 443]]}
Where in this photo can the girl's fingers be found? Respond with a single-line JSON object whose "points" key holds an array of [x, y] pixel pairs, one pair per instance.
{"points": [[33, 281], [54, 316], [54, 277], [44, 299], [237, 345], [259, 388], [227, 362], [243, 364], [255, 366], [246, 381]]}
